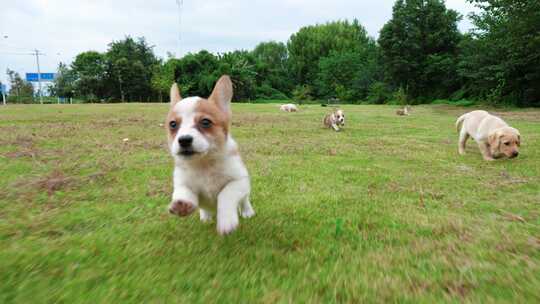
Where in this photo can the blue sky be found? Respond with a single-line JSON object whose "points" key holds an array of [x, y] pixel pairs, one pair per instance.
{"points": [[63, 28]]}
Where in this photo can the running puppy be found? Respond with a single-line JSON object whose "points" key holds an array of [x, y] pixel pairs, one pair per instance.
{"points": [[289, 107], [208, 171], [334, 120], [494, 137], [404, 111]]}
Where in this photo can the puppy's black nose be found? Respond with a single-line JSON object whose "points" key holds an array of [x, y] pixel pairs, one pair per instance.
{"points": [[185, 141], [515, 154]]}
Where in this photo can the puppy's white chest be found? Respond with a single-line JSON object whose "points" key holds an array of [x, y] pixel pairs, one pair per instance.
{"points": [[208, 184], [204, 182]]}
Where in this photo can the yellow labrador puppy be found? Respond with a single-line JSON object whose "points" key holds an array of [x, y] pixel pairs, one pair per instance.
{"points": [[495, 137]]}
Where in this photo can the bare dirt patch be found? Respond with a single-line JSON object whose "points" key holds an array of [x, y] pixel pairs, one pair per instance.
{"points": [[25, 145], [54, 182], [519, 116], [255, 120], [458, 289]]}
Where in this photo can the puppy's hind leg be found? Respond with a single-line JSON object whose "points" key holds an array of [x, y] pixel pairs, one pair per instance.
{"points": [[463, 137], [246, 210]]}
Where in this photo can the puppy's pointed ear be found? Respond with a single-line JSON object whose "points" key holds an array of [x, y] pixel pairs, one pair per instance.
{"points": [[222, 94], [175, 94]]}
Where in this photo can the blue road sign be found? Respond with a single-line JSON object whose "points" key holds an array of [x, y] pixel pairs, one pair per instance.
{"points": [[44, 76], [3, 89]]}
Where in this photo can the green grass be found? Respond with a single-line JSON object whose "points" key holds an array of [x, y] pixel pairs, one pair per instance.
{"points": [[385, 211]]}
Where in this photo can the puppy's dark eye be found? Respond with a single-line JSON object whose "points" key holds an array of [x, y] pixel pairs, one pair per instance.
{"points": [[507, 143], [173, 125], [205, 123]]}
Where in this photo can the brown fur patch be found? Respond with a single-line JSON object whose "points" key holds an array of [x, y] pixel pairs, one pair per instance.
{"points": [[220, 120], [327, 121]]}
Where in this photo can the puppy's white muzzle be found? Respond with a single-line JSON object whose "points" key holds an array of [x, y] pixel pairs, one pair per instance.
{"points": [[189, 142]]}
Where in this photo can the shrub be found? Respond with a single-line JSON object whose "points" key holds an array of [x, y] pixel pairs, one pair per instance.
{"points": [[400, 97], [344, 94], [379, 93], [302, 93], [267, 92]]}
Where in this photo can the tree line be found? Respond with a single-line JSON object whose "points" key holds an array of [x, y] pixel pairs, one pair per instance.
{"points": [[420, 56]]}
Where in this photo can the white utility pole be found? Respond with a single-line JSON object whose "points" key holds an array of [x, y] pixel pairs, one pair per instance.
{"points": [[180, 3], [36, 53]]}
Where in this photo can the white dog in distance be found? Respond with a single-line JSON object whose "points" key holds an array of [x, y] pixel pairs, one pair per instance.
{"points": [[289, 107]]}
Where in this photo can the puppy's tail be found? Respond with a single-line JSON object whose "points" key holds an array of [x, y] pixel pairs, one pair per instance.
{"points": [[459, 122]]}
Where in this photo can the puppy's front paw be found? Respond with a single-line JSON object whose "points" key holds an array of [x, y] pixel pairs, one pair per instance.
{"points": [[227, 224], [181, 208]]}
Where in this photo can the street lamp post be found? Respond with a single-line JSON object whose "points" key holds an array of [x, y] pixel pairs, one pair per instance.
{"points": [[3, 86]]}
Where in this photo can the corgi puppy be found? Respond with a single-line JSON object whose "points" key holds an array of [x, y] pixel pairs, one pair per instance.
{"points": [[209, 174], [289, 107], [404, 112], [334, 120]]}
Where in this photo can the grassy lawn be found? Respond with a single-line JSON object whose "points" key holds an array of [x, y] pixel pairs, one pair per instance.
{"points": [[384, 211]]}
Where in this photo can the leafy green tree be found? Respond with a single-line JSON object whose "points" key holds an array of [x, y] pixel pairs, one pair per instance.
{"points": [[195, 73], [272, 53], [501, 59], [90, 70], [64, 83], [20, 89], [379, 93], [419, 47], [271, 66], [302, 94], [312, 43], [130, 67], [240, 65], [162, 78], [348, 75]]}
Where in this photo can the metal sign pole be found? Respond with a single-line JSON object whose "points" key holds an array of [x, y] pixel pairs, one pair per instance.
{"points": [[3, 89]]}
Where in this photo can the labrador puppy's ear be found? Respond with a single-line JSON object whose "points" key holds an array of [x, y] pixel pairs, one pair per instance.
{"points": [[494, 140], [175, 94], [518, 140]]}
